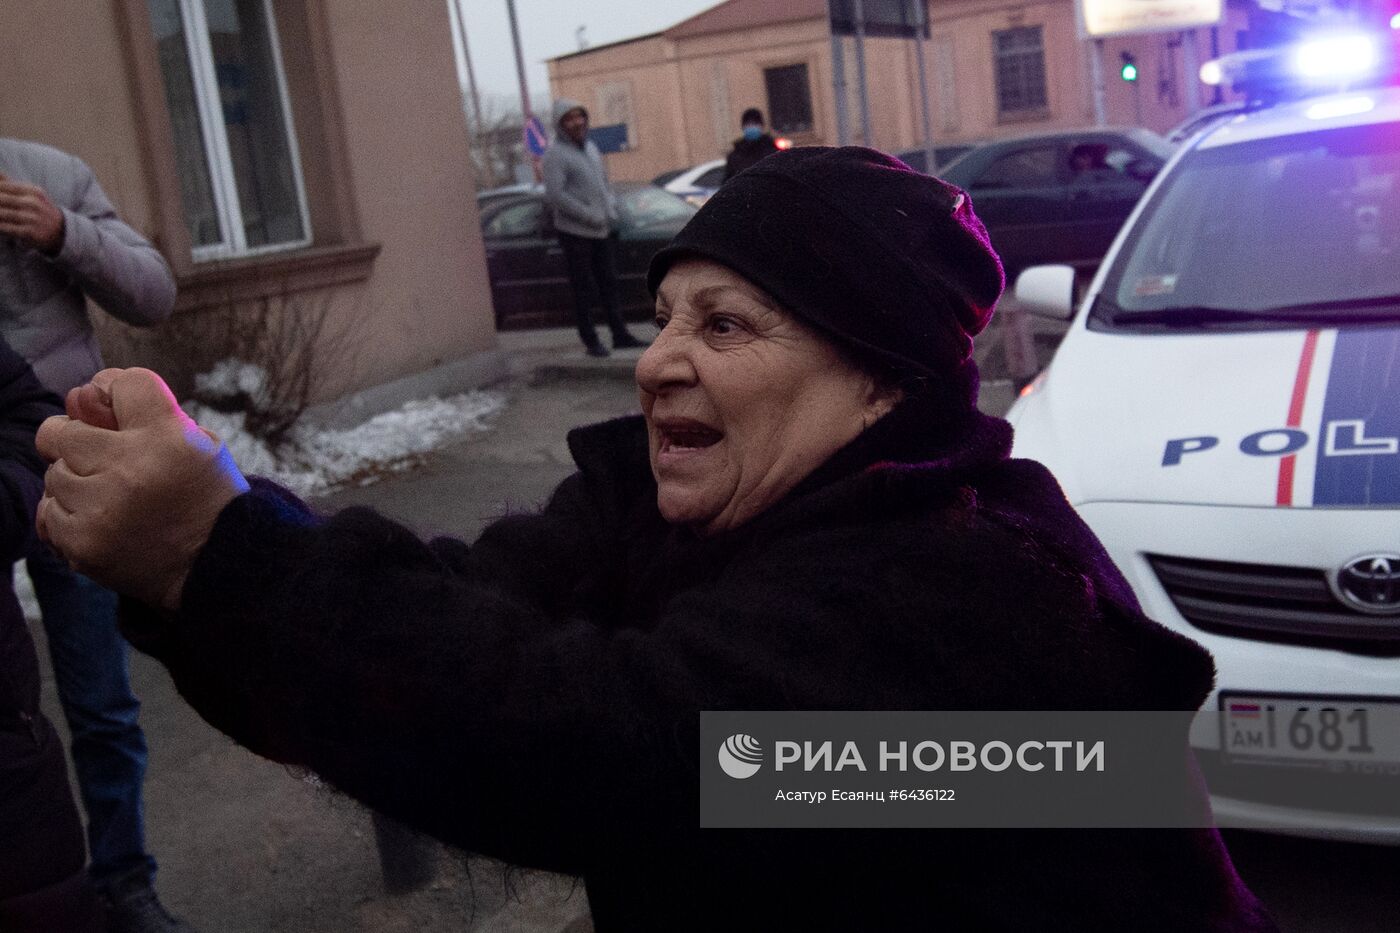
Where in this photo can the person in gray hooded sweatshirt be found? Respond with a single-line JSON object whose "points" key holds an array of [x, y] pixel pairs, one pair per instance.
{"points": [[585, 217]]}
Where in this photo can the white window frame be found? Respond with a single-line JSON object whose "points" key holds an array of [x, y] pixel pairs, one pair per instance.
{"points": [[225, 190]]}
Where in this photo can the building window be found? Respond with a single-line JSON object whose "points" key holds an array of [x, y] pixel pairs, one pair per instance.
{"points": [[1020, 63], [789, 99], [240, 174], [615, 110]]}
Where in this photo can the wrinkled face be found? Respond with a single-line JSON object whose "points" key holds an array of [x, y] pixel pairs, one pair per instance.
{"points": [[575, 125], [742, 400]]}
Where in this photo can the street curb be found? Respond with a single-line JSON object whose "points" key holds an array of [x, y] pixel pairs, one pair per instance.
{"points": [[470, 372], [622, 370]]}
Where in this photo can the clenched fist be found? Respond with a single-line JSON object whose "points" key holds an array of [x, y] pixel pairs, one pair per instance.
{"points": [[135, 485], [27, 214]]}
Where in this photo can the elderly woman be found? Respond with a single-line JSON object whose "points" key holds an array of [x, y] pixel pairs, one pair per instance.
{"points": [[809, 514]]}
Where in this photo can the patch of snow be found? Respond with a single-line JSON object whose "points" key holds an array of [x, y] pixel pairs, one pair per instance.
{"points": [[232, 378], [316, 460]]}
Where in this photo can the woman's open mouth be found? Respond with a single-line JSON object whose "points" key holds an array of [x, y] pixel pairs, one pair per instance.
{"points": [[682, 437], [688, 440]]}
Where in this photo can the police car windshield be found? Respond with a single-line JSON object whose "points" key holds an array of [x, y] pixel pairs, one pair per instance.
{"points": [[1266, 230]]}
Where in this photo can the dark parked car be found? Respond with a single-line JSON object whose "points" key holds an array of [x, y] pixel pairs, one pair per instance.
{"points": [[528, 280], [917, 159], [489, 198], [1058, 197]]}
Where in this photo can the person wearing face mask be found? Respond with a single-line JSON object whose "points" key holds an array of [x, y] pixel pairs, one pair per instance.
{"points": [[754, 144]]}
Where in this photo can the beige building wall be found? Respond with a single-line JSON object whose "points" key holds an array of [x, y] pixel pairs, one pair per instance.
{"points": [[1158, 101], [969, 27], [86, 108], [723, 76], [648, 74], [712, 79], [428, 300], [690, 90], [396, 245]]}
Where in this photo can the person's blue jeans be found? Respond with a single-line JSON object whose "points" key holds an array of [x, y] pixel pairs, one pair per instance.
{"points": [[90, 664]]}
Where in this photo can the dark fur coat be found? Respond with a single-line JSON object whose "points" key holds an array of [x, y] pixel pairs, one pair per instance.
{"points": [[535, 696], [41, 839]]}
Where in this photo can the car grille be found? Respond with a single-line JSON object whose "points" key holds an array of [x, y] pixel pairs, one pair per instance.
{"points": [[1269, 603]]}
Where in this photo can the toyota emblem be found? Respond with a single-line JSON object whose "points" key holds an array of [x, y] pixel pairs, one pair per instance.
{"points": [[1370, 583]]}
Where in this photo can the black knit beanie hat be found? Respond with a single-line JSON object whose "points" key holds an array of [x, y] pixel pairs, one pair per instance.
{"points": [[890, 262]]}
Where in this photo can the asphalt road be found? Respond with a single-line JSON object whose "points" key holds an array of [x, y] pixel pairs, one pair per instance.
{"points": [[246, 846]]}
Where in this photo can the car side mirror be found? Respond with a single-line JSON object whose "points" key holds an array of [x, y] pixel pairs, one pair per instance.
{"points": [[1047, 291], [1143, 170]]}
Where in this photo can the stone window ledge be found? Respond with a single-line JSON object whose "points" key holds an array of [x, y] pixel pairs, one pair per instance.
{"points": [[224, 281], [1011, 117]]}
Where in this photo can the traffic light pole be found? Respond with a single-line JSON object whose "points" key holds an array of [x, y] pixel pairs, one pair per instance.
{"points": [[838, 88], [1096, 82], [1193, 70], [922, 13], [858, 14]]}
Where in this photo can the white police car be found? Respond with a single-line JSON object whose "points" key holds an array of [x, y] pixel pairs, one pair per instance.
{"points": [[1224, 411]]}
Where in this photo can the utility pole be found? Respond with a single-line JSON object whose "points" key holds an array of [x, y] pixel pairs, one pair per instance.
{"points": [[525, 110], [467, 54], [519, 61]]}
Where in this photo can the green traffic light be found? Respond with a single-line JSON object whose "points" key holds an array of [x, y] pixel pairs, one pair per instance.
{"points": [[1129, 72]]}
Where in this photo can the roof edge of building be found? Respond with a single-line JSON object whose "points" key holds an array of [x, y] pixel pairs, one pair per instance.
{"points": [[607, 45], [692, 26]]}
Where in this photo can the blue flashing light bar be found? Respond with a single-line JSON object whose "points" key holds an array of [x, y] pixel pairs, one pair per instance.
{"points": [[1327, 62], [1335, 56]]}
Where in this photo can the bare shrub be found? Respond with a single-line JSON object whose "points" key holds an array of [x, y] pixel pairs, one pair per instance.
{"points": [[291, 347]]}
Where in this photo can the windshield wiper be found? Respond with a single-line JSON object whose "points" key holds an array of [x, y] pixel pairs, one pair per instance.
{"points": [[1348, 311]]}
